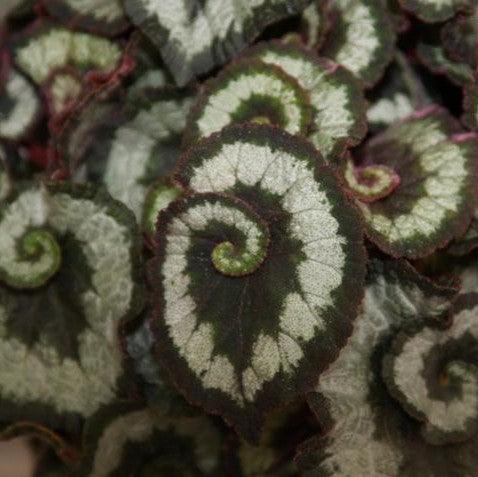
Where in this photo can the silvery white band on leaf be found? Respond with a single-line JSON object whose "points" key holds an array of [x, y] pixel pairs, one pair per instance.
{"points": [[244, 305], [193, 38], [60, 357]]}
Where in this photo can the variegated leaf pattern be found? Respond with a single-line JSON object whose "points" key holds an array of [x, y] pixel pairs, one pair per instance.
{"points": [[315, 24], [138, 145], [97, 16], [20, 106], [249, 91], [370, 183], [336, 97], [436, 198], [49, 47], [256, 274], [126, 439], [368, 433], [433, 374], [158, 197], [361, 38], [194, 36], [69, 278]]}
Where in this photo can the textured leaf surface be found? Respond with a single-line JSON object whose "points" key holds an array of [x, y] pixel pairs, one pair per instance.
{"points": [[98, 16], [194, 36], [49, 47], [249, 91], [434, 10], [362, 38], [257, 274], [126, 439], [369, 434], [59, 356], [336, 97], [19, 106], [436, 197]]}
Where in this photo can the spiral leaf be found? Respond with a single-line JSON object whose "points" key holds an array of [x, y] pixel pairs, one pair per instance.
{"points": [[240, 345], [249, 91], [59, 356], [336, 97], [97, 16], [434, 375], [361, 39], [368, 434], [194, 38], [437, 194], [370, 183]]}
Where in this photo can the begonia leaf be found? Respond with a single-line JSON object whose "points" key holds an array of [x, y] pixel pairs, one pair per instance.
{"points": [[366, 432], [193, 36], [361, 39], [249, 91], [69, 279], [256, 276], [336, 97], [437, 194]]}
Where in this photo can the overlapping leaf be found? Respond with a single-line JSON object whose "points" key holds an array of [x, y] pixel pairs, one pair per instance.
{"points": [[69, 279], [436, 197], [433, 374], [369, 433], [57, 59], [135, 146], [256, 275], [249, 91], [338, 106], [193, 36]]}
